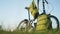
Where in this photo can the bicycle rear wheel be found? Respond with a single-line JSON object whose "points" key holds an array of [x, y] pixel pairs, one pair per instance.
{"points": [[23, 25]]}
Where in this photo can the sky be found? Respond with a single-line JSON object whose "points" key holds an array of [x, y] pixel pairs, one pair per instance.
{"points": [[13, 11]]}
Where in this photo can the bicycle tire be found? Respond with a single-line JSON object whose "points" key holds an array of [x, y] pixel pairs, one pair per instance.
{"points": [[57, 21], [25, 21]]}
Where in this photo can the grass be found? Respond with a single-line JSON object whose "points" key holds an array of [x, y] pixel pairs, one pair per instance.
{"points": [[18, 32]]}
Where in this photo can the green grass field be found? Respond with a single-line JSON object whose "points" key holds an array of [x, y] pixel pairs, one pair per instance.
{"points": [[18, 32]]}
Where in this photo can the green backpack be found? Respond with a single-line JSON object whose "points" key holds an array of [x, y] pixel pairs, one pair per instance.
{"points": [[42, 22]]}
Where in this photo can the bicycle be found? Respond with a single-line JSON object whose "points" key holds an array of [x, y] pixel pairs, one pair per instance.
{"points": [[49, 17]]}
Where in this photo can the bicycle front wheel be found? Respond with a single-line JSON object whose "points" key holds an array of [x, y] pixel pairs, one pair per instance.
{"points": [[54, 22]]}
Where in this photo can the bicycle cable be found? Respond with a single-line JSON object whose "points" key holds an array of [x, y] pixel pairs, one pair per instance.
{"points": [[51, 7]]}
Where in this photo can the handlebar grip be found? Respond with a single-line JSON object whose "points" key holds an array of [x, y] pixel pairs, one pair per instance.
{"points": [[46, 1]]}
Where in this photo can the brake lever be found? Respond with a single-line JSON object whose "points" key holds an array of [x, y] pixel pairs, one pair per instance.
{"points": [[46, 1]]}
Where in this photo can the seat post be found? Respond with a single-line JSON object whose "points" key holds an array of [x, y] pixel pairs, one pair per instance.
{"points": [[28, 12]]}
